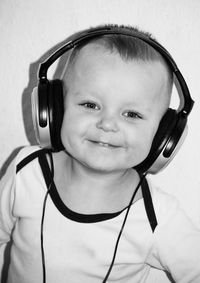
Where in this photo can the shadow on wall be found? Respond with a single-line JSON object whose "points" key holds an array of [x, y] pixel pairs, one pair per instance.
{"points": [[33, 82], [28, 122], [26, 97]]}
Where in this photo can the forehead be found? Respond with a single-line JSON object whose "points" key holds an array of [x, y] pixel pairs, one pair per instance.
{"points": [[97, 54], [95, 66]]}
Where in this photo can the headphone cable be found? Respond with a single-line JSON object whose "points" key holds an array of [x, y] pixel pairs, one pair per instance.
{"points": [[119, 235], [122, 227], [42, 219]]}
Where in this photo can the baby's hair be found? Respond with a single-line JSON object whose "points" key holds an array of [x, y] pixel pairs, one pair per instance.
{"points": [[129, 48]]}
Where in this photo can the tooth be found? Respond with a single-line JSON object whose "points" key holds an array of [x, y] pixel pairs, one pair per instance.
{"points": [[103, 144]]}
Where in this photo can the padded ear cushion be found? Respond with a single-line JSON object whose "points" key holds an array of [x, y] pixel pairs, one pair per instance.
{"points": [[56, 112], [177, 136], [43, 103], [163, 134]]}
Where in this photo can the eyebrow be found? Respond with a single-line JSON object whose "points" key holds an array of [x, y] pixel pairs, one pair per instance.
{"points": [[137, 106]]}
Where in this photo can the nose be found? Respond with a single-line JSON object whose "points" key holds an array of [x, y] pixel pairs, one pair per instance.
{"points": [[107, 124]]}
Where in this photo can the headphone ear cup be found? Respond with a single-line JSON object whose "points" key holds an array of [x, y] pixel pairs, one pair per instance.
{"points": [[40, 115], [160, 141], [47, 113], [56, 112]]}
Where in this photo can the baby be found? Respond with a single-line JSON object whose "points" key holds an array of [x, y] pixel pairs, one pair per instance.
{"points": [[85, 212]]}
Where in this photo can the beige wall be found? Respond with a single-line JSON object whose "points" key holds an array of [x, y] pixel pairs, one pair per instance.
{"points": [[29, 28]]}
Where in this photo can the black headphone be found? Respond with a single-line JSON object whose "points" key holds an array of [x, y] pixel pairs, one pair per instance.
{"points": [[48, 106]]}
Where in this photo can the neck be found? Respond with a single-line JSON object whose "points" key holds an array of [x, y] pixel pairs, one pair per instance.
{"points": [[99, 179], [87, 190]]}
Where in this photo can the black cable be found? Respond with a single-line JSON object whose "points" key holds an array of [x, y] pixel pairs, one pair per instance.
{"points": [[42, 219], [119, 235], [122, 228], [41, 237]]}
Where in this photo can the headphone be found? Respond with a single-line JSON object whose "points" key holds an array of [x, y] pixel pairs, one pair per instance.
{"points": [[48, 105]]}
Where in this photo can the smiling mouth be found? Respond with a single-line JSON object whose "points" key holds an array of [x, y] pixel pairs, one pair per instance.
{"points": [[105, 144]]}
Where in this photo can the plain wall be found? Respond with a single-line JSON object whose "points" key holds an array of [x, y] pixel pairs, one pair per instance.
{"points": [[30, 29]]}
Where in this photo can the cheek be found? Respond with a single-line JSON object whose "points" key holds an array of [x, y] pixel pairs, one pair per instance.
{"points": [[68, 128], [148, 138], [140, 141], [73, 127]]}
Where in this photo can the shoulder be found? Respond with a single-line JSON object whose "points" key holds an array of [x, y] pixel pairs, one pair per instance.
{"points": [[171, 217], [165, 204], [25, 151], [26, 155], [12, 164], [12, 183], [175, 236]]}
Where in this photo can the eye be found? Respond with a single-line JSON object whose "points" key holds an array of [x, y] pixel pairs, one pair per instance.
{"points": [[90, 105], [132, 115]]}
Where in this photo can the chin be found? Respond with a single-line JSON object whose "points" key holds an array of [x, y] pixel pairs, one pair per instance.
{"points": [[103, 164], [105, 168]]}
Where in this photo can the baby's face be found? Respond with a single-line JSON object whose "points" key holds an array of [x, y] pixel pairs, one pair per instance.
{"points": [[112, 109]]}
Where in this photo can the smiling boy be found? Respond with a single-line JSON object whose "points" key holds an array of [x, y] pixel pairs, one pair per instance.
{"points": [[117, 89], [113, 107]]}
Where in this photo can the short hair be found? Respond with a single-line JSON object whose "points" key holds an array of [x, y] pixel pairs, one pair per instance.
{"points": [[128, 47]]}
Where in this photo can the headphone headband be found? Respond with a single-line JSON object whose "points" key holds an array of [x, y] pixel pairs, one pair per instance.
{"points": [[96, 32]]}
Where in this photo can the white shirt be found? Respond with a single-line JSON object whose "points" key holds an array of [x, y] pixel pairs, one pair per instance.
{"points": [[79, 248]]}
